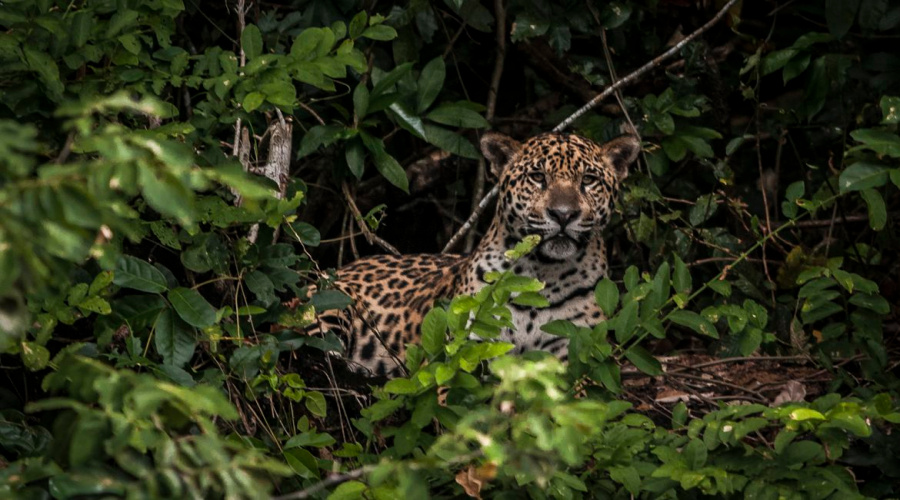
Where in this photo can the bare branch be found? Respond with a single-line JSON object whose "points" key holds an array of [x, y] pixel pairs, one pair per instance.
{"points": [[478, 187], [357, 216], [472, 218]]}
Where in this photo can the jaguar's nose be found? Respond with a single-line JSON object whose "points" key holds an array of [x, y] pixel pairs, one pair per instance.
{"points": [[562, 215]]}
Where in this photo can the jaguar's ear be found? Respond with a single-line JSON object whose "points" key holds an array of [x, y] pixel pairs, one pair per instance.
{"points": [[621, 153], [498, 149]]}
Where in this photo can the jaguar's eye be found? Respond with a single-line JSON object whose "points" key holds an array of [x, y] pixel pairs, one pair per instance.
{"points": [[589, 179], [538, 177]]}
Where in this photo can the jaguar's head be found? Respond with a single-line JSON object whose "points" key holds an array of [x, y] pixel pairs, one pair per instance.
{"points": [[558, 186]]}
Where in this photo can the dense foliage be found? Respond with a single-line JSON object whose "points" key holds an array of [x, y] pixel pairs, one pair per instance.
{"points": [[154, 293]]}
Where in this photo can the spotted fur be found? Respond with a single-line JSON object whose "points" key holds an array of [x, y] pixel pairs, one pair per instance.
{"points": [[558, 186]]}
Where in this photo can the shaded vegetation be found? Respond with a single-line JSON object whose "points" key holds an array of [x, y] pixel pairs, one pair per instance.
{"points": [[155, 274]]}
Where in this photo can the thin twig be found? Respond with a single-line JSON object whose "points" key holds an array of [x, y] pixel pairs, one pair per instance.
{"points": [[66, 150], [742, 359], [357, 216], [362, 471], [241, 12], [480, 174], [327, 483], [716, 381], [631, 77], [312, 112], [472, 218]]}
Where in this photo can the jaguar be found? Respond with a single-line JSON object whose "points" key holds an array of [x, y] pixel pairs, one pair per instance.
{"points": [[555, 185]]}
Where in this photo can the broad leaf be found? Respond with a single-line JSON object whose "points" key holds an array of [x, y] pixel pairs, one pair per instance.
{"points": [[695, 322], [173, 338], [251, 41], [140, 275], [431, 80], [643, 360], [192, 307], [606, 293], [862, 175]]}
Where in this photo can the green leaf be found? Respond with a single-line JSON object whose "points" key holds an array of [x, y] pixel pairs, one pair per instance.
{"points": [[626, 321], [681, 280], [521, 284], [306, 42], [455, 115], [862, 175], [693, 321], [80, 30], [450, 141], [101, 281], [46, 69], [609, 374], [131, 44], [434, 331], [380, 32], [407, 119], [530, 299], [251, 41], [606, 293], [351, 490], [34, 356], [401, 386], [302, 462], [324, 300], [800, 452], [192, 307], [560, 327], [443, 373], [120, 20], [315, 403], [697, 145], [872, 302], [174, 340], [839, 15], [319, 136], [431, 80], [387, 80], [314, 439], [795, 67], [877, 208], [705, 208], [801, 414], [613, 15], [253, 101], [627, 477], [385, 163], [360, 101], [883, 142], [167, 195], [355, 154], [308, 233], [890, 109], [137, 274], [776, 60], [695, 454], [358, 24], [643, 360], [261, 286], [95, 304]]}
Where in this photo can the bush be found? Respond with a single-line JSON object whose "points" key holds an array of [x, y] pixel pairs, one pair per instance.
{"points": [[170, 187]]}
